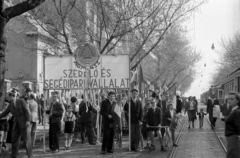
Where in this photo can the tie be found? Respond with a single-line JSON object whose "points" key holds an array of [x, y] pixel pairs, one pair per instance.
{"points": [[154, 110], [86, 107], [52, 107]]}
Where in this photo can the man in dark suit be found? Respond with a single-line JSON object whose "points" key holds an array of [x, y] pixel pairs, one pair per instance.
{"points": [[55, 115], [85, 112], [154, 118], [21, 124], [179, 105], [226, 109], [136, 119], [210, 109], [107, 118], [164, 109]]}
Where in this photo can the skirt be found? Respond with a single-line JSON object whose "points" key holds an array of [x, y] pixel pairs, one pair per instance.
{"points": [[192, 115]]}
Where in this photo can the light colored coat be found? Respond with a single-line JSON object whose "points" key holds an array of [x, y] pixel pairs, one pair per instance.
{"points": [[33, 107], [216, 111]]}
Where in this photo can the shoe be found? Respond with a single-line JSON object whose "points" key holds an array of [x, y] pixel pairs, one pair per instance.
{"points": [[188, 127], [175, 145], [55, 151], [163, 149], [103, 152], [136, 150], [92, 143], [110, 151]]}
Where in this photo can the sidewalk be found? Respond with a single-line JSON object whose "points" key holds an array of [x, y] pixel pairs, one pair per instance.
{"points": [[199, 143], [79, 150]]}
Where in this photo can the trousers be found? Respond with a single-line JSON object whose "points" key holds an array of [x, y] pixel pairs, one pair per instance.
{"points": [[233, 146], [89, 128], [135, 135], [108, 134], [17, 134], [54, 131]]}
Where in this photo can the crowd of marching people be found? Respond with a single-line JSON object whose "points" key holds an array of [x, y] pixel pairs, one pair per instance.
{"points": [[150, 117]]}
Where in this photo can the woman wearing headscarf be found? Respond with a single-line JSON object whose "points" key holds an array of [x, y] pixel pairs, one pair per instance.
{"points": [[192, 110], [232, 126]]}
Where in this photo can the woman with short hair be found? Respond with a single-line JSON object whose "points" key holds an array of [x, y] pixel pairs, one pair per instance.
{"points": [[232, 126]]}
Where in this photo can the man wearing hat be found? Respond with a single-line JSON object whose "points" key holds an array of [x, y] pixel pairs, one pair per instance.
{"points": [[28, 91], [21, 124], [136, 119]]}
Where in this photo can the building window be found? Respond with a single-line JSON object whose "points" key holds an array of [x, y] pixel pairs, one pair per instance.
{"points": [[220, 94]]}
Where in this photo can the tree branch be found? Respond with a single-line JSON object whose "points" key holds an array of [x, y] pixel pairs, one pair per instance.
{"points": [[21, 8]]}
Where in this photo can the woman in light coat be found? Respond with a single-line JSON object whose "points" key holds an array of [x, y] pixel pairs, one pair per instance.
{"points": [[216, 111]]}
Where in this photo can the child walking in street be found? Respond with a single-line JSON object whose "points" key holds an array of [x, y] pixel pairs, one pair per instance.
{"points": [[201, 117], [69, 120]]}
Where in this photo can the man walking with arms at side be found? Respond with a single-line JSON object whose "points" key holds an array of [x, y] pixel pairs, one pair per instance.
{"points": [[107, 118], [55, 115], [136, 119], [21, 124], [210, 110]]}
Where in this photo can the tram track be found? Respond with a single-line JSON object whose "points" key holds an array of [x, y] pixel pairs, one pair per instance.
{"points": [[172, 153], [219, 139]]}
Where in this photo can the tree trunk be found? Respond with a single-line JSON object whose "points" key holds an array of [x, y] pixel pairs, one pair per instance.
{"points": [[3, 43], [5, 15]]}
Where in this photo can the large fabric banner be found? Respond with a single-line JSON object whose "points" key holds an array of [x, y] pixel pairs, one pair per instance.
{"points": [[63, 72]]}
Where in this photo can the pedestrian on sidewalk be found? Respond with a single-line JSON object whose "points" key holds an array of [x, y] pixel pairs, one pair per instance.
{"points": [[4, 127], [210, 108], [226, 109], [41, 109], [75, 111], [154, 120], [33, 106], [170, 121], [216, 112], [232, 126], [179, 105], [201, 117], [107, 119], [136, 119], [69, 120], [85, 112], [145, 133], [21, 124], [55, 116], [191, 109]]}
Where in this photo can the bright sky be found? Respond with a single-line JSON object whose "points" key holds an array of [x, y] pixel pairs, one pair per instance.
{"points": [[215, 20]]}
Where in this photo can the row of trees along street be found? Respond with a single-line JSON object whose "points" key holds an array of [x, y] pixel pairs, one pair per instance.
{"points": [[229, 59], [136, 27]]}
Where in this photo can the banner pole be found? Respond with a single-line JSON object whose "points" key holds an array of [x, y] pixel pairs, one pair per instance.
{"points": [[129, 109], [44, 106]]}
